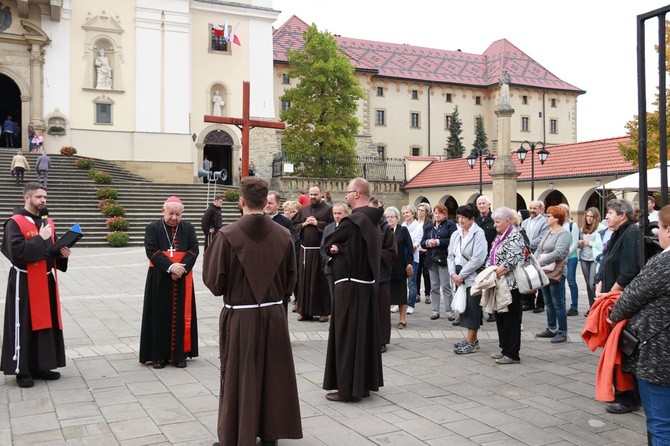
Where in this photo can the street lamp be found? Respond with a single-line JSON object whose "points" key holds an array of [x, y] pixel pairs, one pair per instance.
{"points": [[472, 160], [542, 154]]}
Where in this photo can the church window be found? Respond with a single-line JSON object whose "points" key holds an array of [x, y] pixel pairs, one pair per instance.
{"points": [[415, 94], [380, 91], [415, 151], [285, 105], [553, 103], [103, 113], [449, 99], [414, 120], [525, 124], [524, 100], [478, 100], [448, 119], [380, 117], [219, 42], [285, 79], [553, 126]]}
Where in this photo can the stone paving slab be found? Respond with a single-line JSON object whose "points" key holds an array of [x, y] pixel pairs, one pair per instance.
{"points": [[430, 397]]}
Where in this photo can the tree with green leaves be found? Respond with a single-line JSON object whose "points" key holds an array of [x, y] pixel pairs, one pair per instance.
{"points": [[321, 122], [455, 148], [480, 134]]}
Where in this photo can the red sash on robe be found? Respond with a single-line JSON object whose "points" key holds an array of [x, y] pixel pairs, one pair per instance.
{"points": [[38, 282], [177, 257]]}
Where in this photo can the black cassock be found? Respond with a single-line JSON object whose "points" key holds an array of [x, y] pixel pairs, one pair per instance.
{"points": [[169, 322]]}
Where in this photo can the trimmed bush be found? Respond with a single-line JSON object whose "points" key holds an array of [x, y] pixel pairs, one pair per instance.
{"points": [[84, 163], [231, 195], [68, 150], [117, 239], [107, 192], [111, 208], [117, 224], [100, 176]]}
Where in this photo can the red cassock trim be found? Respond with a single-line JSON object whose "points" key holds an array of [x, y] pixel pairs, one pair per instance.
{"points": [[177, 257], [38, 282]]}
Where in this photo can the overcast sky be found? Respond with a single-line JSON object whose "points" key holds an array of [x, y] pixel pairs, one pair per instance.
{"points": [[590, 44]]}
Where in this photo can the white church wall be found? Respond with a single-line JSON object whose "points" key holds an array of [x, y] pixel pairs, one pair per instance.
{"points": [[57, 91]]}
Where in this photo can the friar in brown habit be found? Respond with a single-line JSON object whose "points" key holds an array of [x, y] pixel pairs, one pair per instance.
{"points": [[252, 264], [353, 357], [308, 224]]}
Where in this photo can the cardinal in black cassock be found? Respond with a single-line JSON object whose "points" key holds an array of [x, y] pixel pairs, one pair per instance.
{"points": [[169, 323]]}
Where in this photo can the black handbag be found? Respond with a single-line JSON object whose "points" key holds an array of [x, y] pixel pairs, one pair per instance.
{"points": [[439, 259], [628, 342]]}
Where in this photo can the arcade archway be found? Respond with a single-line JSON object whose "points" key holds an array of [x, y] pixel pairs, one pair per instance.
{"points": [[218, 149], [10, 105]]}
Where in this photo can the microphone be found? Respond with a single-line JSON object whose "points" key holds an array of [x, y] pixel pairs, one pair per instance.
{"points": [[44, 213]]}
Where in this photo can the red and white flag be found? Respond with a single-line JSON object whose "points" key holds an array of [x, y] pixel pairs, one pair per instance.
{"points": [[225, 31], [218, 30], [234, 38]]}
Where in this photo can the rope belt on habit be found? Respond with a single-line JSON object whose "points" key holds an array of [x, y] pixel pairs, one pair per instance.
{"points": [[244, 307], [17, 321], [351, 279], [305, 248]]}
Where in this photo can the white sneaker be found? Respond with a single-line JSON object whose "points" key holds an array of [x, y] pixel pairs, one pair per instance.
{"points": [[410, 310], [394, 308]]}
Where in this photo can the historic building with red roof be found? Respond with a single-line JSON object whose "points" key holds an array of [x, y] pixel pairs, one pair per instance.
{"points": [[412, 92], [573, 174]]}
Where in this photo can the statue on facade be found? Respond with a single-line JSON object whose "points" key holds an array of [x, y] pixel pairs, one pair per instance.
{"points": [[217, 104], [103, 72], [504, 91]]}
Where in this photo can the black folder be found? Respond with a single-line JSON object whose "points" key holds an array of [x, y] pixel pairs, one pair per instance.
{"points": [[68, 239]]}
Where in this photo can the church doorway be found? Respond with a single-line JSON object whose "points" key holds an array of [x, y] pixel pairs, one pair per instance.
{"points": [[218, 150], [10, 105]]}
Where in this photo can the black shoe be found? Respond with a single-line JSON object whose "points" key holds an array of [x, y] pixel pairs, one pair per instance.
{"points": [[180, 364], [48, 375], [160, 364], [526, 308], [492, 318], [573, 312], [457, 322], [538, 310], [545, 334], [24, 381], [383, 348], [619, 408]]}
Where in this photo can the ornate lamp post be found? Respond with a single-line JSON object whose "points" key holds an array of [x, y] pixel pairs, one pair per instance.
{"points": [[472, 160], [542, 154]]}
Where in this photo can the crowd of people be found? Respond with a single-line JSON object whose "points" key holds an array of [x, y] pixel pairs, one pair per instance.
{"points": [[354, 264]]}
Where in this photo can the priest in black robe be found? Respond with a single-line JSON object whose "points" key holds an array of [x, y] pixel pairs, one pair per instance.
{"points": [[308, 225], [353, 356], [169, 323], [32, 342]]}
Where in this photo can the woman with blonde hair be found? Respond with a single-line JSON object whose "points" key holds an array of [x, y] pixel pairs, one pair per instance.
{"points": [[590, 246]]}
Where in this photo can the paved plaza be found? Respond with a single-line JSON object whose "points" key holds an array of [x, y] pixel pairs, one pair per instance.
{"points": [[431, 396]]}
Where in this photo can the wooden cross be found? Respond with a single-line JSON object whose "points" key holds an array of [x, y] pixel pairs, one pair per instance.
{"points": [[245, 124]]}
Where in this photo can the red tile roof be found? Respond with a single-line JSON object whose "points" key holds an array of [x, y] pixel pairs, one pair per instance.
{"points": [[430, 65], [583, 159]]}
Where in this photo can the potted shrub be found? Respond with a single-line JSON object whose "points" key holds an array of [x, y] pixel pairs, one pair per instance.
{"points": [[68, 150], [117, 223], [56, 130], [107, 192], [117, 239], [232, 195], [100, 176], [84, 163]]}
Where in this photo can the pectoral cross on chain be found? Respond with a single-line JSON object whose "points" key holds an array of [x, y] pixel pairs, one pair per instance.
{"points": [[171, 251]]}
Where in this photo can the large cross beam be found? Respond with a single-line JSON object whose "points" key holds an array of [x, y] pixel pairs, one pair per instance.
{"points": [[245, 124]]}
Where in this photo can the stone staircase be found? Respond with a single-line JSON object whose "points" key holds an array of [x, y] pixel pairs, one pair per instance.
{"points": [[72, 199]]}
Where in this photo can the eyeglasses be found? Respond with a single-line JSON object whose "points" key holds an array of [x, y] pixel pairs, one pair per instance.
{"points": [[349, 192]]}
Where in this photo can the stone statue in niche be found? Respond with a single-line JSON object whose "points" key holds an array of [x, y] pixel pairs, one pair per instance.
{"points": [[504, 91], [217, 104], [103, 72]]}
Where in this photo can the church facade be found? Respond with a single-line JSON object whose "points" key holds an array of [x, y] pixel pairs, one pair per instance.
{"points": [[132, 80]]}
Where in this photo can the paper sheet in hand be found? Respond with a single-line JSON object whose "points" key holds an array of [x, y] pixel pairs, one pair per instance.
{"points": [[68, 239]]}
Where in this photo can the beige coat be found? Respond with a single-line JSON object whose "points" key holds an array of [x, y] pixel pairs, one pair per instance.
{"points": [[20, 161]]}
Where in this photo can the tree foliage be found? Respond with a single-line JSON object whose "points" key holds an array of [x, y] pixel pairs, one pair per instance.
{"points": [[629, 150], [455, 148], [480, 134], [321, 120]]}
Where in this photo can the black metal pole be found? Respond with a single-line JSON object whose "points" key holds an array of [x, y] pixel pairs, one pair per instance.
{"points": [[481, 155], [532, 172]]}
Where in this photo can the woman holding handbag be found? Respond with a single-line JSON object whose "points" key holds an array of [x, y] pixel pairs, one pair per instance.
{"points": [[644, 302], [554, 249], [401, 268], [436, 242], [467, 254]]}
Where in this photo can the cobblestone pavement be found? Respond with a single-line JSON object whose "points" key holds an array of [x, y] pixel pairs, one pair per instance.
{"points": [[431, 396]]}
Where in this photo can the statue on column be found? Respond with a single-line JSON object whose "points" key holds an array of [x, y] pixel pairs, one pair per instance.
{"points": [[103, 72], [217, 104], [504, 91]]}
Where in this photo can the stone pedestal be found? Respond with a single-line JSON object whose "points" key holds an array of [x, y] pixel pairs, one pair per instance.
{"points": [[504, 171]]}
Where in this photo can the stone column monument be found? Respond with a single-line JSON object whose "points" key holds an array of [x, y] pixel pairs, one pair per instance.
{"points": [[504, 171]]}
